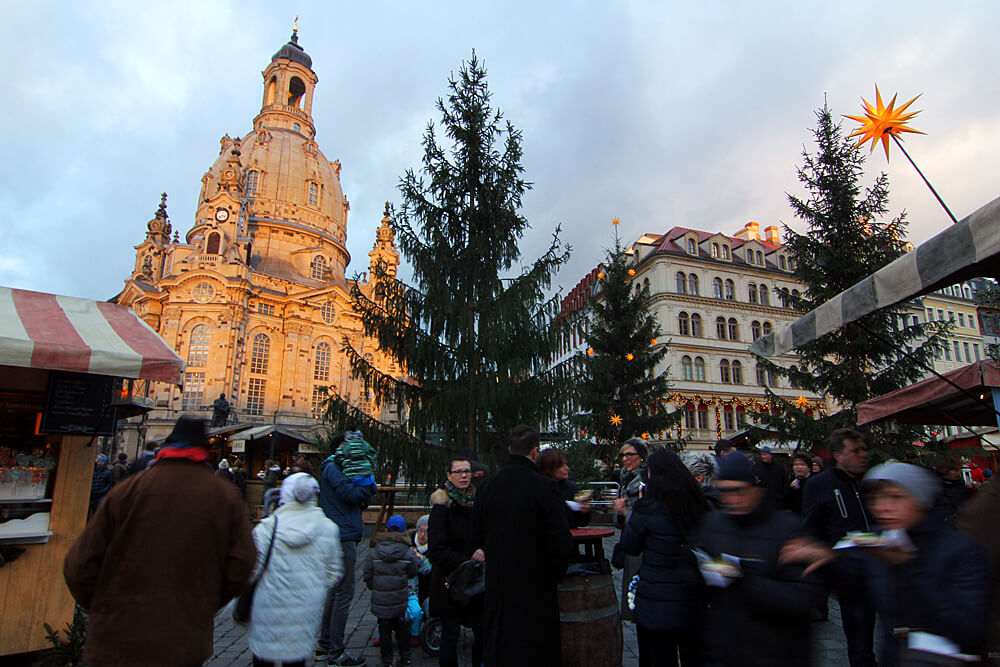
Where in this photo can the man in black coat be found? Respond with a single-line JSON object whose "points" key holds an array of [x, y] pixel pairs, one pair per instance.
{"points": [[773, 477], [831, 507], [519, 520]]}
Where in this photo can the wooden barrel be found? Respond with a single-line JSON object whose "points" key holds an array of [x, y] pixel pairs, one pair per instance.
{"points": [[590, 624]]}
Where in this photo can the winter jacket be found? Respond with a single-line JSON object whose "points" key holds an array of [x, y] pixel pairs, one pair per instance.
{"points": [[945, 590], [389, 566], [774, 478], [954, 494], [100, 484], [305, 562], [355, 457], [978, 519], [342, 501], [793, 496], [568, 491], [450, 543], [669, 593], [832, 506], [629, 485], [119, 472], [763, 617], [165, 551]]}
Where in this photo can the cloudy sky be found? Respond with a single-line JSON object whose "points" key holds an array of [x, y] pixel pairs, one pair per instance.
{"points": [[657, 113]]}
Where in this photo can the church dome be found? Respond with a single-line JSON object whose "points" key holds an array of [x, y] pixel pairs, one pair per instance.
{"points": [[292, 51]]}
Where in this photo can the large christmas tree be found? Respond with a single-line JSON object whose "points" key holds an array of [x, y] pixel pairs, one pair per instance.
{"points": [[848, 240], [474, 330], [620, 394]]}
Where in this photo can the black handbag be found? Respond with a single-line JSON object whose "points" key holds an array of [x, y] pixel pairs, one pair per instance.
{"points": [[244, 603], [466, 581]]}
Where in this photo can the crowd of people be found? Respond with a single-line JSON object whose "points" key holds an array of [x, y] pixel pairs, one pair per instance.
{"points": [[725, 558]]}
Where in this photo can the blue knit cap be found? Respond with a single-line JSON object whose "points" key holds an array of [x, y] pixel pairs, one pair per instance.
{"points": [[396, 524]]}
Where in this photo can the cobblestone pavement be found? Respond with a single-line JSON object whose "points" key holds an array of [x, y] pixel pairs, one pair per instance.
{"points": [[231, 649]]}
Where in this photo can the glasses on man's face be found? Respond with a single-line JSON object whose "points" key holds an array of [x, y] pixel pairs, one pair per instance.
{"points": [[461, 472], [628, 455]]}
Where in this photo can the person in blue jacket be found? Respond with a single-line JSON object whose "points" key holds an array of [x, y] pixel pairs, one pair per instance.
{"points": [[342, 502]]}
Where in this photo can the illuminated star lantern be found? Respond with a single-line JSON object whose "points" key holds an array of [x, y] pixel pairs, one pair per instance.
{"points": [[645, 436], [600, 276], [881, 121], [629, 356], [616, 420], [631, 272], [801, 401], [615, 221], [590, 351], [652, 341]]}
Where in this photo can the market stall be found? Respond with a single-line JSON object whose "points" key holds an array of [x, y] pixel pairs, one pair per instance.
{"points": [[64, 364]]}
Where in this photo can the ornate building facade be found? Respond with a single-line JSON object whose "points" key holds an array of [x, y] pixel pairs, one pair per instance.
{"points": [[255, 296]]}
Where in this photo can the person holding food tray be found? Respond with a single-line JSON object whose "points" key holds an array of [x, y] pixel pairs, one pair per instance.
{"points": [[553, 464]]}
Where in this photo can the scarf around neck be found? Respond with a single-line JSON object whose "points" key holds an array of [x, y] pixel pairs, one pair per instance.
{"points": [[462, 498]]}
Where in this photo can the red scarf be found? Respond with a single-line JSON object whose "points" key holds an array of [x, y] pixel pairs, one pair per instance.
{"points": [[197, 454]]}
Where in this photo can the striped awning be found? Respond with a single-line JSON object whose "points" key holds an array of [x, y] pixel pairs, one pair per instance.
{"points": [[970, 249], [68, 334]]}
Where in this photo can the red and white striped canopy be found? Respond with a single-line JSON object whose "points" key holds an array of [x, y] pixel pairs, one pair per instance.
{"points": [[68, 334]]}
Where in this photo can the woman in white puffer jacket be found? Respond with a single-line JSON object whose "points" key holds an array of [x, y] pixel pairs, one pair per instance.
{"points": [[305, 563]]}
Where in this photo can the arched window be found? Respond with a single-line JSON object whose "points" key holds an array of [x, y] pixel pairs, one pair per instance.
{"points": [[313, 194], [724, 372], [212, 246], [760, 258], [782, 263], [645, 284], [730, 290], [317, 269], [253, 181], [752, 292], [786, 298], [321, 362], [772, 379], [690, 418], [717, 288], [734, 329], [259, 353], [720, 328], [692, 246], [699, 369], [296, 89], [715, 251], [683, 322], [761, 376], [681, 280], [696, 329], [791, 378], [198, 346], [755, 329], [795, 296], [737, 372], [765, 298], [693, 285], [768, 328], [725, 252], [687, 368], [271, 86]]}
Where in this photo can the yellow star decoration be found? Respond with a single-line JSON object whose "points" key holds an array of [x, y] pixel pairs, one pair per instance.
{"points": [[652, 341], [615, 221], [600, 276], [616, 420], [590, 351], [645, 436], [801, 401], [631, 272], [629, 356], [880, 121]]}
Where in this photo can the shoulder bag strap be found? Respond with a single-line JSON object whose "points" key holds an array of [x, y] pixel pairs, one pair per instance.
{"points": [[270, 548]]}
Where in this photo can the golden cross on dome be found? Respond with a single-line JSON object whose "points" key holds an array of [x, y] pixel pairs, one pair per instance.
{"points": [[295, 24]]}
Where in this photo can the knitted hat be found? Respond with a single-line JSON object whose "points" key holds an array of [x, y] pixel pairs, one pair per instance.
{"points": [[640, 446], [223, 464], [818, 461], [734, 467], [188, 432], [423, 521], [920, 483], [396, 524], [765, 450]]}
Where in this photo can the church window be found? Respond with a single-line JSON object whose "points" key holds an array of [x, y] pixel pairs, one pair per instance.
{"points": [[313, 194], [259, 354], [265, 308], [253, 180], [198, 346], [203, 292], [272, 85], [296, 127], [256, 389], [296, 89], [321, 364], [328, 312], [317, 269], [320, 394], [193, 397], [214, 241]]}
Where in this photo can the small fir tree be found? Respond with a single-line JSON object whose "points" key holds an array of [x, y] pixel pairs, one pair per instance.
{"points": [[474, 331], [846, 242], [620, 394]]}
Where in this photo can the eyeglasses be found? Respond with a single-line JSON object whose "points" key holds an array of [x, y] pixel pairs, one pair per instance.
{"points": [[460, 472], [629, 455]]}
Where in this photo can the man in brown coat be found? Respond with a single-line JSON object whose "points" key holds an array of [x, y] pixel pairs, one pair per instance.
{"points": [[165, 551], [978, 519]]}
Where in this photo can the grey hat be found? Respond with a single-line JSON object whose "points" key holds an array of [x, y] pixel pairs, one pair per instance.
{"points": [[923, 485]]}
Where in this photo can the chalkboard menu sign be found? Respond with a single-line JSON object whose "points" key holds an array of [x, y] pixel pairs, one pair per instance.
{"points": [[79, 404]]}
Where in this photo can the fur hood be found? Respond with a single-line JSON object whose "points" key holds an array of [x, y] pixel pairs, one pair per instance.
{"points": [[440, 497]]}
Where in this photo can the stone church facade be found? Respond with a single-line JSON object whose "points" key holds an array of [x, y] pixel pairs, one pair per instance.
{"points": [[254, 297]]}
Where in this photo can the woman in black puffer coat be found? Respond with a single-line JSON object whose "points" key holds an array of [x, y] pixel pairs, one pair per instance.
{"points": [[668, 597]]}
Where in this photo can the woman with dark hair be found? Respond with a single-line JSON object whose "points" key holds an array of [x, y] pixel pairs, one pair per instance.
{"points": [[667, 598], [631, 481], [553, 464], [801, 471]]}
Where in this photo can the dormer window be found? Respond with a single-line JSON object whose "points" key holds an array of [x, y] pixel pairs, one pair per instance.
{"points": [[760, 258], [715, 251], [725, 252], [782, 263], [317, 270], [692, 247]]}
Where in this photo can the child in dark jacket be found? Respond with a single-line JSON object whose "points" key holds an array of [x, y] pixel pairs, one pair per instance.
{"points": [[388, 568]]}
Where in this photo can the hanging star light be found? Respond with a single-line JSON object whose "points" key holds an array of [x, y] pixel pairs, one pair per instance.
{"points": [[881, 122], [631, 272], [645, 436], [801, 401], [652, 341], [590, 351], [629, 356], [616, 420], [600, 275]]}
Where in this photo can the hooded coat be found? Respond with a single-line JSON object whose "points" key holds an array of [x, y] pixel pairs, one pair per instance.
{"points": [[389, 566], [342, 501], [305, 562]]}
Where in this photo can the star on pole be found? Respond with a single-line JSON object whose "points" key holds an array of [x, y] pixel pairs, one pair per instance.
{"points": [[616, 420], [880, 122]]}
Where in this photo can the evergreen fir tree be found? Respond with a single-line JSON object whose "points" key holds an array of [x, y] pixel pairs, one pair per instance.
{"points": [[620, 394], [474, 330], [846, 242]]}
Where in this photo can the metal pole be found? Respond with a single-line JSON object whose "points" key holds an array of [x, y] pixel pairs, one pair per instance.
{"points": [[933, 191]]}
